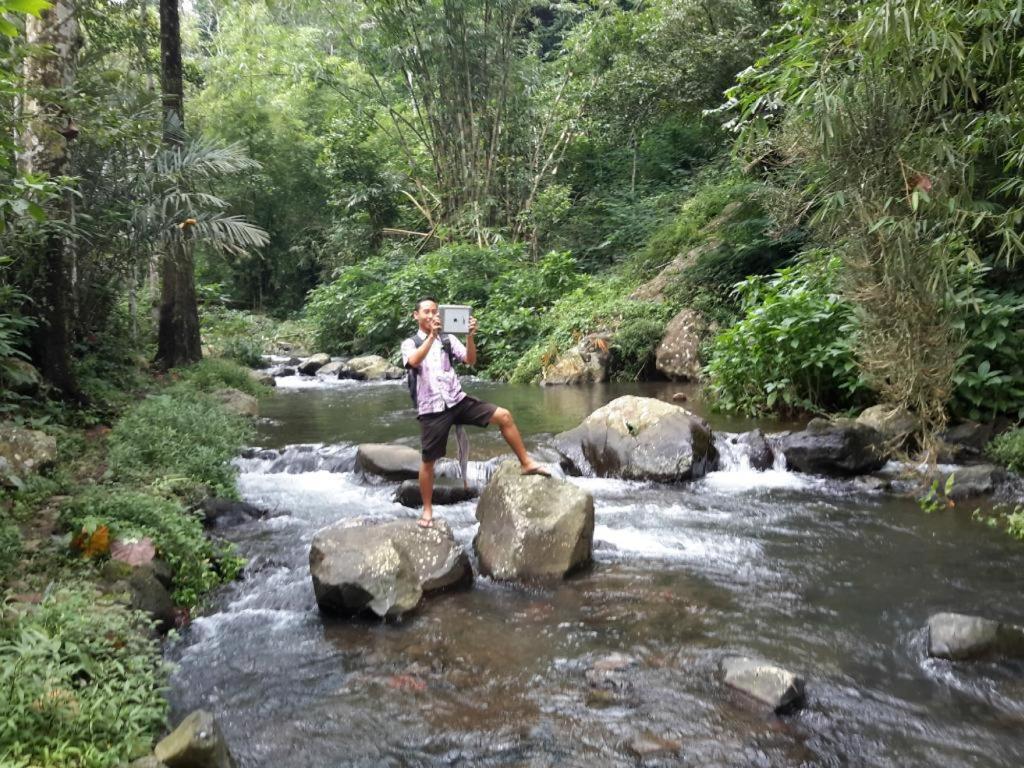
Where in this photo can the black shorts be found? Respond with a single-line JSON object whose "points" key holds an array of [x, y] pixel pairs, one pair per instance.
{"points": [[434, 427]]}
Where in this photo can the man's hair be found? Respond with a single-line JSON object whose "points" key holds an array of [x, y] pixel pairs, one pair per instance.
{"points": [[425, 298]]}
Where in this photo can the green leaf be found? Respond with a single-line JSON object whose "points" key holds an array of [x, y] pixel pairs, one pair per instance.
{"points": [[34, 7], [6, 28]]}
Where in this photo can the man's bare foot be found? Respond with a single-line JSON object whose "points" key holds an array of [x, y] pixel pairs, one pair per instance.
{"points": [[533, 468], [426, 521]]}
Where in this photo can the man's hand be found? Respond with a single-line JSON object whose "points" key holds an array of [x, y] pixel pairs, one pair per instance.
{"points": [[435, 327], [472, 327]]}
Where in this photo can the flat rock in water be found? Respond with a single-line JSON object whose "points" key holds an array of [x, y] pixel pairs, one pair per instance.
{"points": [[408, 493], [975, 480], [960, 637], [779, 688], [639, 438], [532, 527], [196, 743], [392, 462], [841, 448], [385, 568]]}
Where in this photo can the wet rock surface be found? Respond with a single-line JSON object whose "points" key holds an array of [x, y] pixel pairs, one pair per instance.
{"points": [[960, 637], [384, 568], [223, 513], [678, 354], [197, 742], [532, 527], [313, 363], [639, 438], [392, 462], [778, 688], [451, 492], [840, 448]]}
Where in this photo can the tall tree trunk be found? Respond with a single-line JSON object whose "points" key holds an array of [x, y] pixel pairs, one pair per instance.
{"points": [[178, 341], [49, 75]]}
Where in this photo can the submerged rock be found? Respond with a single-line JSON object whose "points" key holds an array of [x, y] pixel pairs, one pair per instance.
{"points": [[586, 363], [678, 354], [639, 438], [387, 460], [959, 637], [842, 447], [408, 493], [779, 688], [314, 363], [237, 402], [196, 743], [532, 527], [384, 568]]}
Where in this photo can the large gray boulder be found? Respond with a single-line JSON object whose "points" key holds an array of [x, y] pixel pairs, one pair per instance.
{"points": [[842, 448], [532, 527], [960, 637], [678, 354], [237, 402], [196, 743], [22, 452], [331, 370], [639, 438], [975, 480], [586, 363], [313, 363], [384, 568], [779, 688], [387, 460], [893, 423], [374, 368]]}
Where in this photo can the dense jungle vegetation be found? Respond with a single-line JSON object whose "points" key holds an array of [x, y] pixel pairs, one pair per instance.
{"points": [[835, 188]]}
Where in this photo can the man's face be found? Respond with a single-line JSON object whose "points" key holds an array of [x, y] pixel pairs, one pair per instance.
{"points": [[425, 314]]}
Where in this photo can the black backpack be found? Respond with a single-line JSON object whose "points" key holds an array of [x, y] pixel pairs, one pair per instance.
{"points": [[413, 375]]}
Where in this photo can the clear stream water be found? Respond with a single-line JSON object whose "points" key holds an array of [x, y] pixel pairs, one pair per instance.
{"points": [[830, 581]]}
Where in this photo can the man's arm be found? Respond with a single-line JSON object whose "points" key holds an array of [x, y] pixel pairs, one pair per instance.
{"points": [[471, 343]]}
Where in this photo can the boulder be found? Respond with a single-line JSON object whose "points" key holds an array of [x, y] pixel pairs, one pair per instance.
{"points": [[266, 378], [973, 481], [281, 371], [960, 637], [758, 450], [387, 460], [893, 423], [842, 448], [779, 688], [408, 493], [965, 441], [384, 568], [375, 368], [236, 401], [346, 371], [222, 513], [196, 743], [147, 588], [678, 354], [22, 452], [313, 363], [331, 369], [639, 438], [532, 527], [586, 363], [22, 377]]}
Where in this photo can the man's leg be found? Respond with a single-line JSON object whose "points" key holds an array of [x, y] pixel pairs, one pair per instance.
{"points": [[427, 490], [504, 421]]}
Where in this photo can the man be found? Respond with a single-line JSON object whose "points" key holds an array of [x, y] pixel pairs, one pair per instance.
{"points": [[441, 403]]}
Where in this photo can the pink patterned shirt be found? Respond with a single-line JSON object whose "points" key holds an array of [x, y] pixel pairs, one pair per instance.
{"points": [[437, 386]]}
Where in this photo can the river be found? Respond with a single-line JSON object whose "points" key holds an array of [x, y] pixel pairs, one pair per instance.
{"points": [[821, 577]]}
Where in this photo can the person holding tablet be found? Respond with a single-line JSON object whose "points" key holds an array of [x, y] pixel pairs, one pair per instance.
{"points": [[430, 358]]}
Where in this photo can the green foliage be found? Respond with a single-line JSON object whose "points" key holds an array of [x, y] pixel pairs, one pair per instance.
{"points": [[1008, 449], [10, 549], [183, 435], [938, 496], [198, 563], [80, 683], [793, 348], [1010, 519], [214, 373]]}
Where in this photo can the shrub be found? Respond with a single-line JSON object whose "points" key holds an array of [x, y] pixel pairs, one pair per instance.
{"points": [[1008, 449], [240, 336], [80, 683], [216, 373], [792, 350], [199, 564], [185, 435], [10, 549]]}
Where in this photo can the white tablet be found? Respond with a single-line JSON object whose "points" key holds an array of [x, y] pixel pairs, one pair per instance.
{"points": [[455, 318]]}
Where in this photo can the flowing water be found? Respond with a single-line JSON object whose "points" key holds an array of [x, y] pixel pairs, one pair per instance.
{"points": [[830, 581]]}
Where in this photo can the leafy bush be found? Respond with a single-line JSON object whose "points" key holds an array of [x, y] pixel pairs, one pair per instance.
{"points": [[244, 336], [792, 350], [989, 379], [181, 435], [214, 373], [1008, 449], [80, 683], [10, 549], [198, 563]]}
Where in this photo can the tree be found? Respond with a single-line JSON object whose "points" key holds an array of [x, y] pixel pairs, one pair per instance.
{"points": [[49, 75], [178, 340]]}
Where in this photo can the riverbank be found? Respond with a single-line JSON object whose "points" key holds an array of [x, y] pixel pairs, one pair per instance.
{"points": [[105, 552]]}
